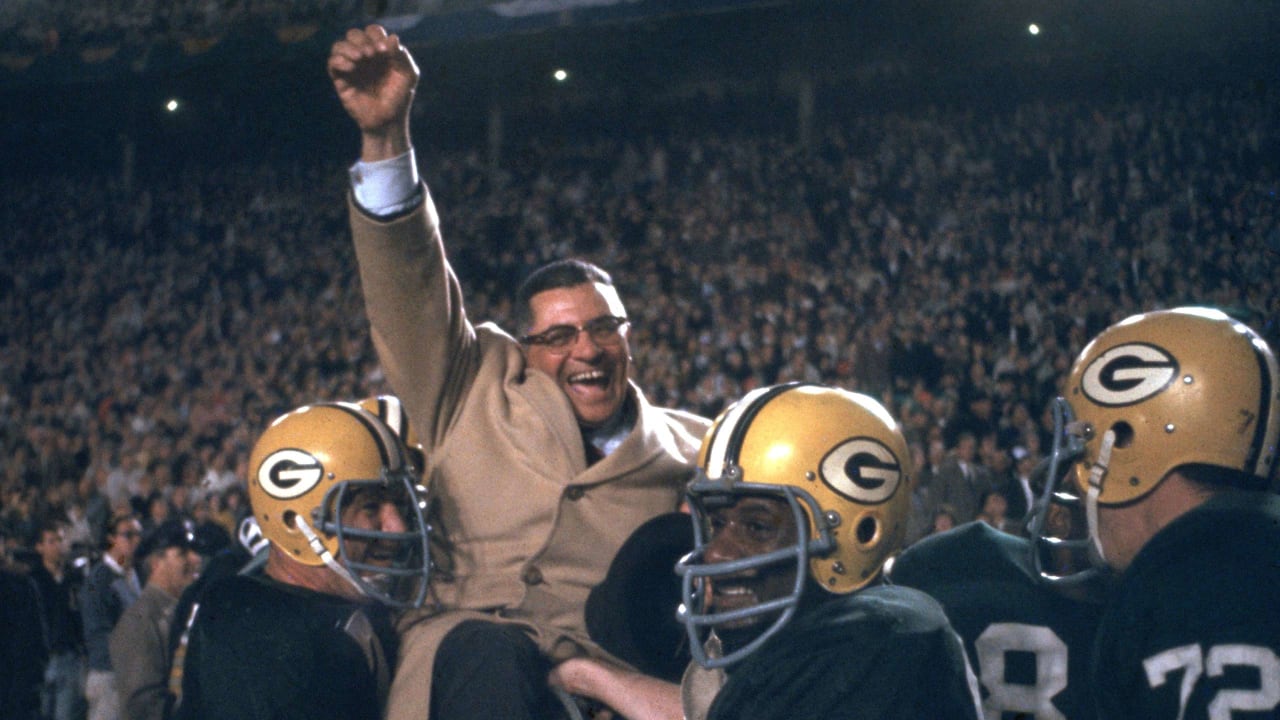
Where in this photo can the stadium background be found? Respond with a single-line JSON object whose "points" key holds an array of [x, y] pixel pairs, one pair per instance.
{"points": [[243, 69], [916, 199]]}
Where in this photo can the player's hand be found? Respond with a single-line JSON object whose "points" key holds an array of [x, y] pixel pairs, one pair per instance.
{"points": [[578, 675], [375, 77]]}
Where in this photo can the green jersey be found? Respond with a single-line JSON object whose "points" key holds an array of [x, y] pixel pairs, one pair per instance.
{"points": [[1029, 643], [1193, 631], [263, 650], [882, 653]]}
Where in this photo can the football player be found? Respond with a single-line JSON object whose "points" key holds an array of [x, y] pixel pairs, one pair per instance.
{"points": [[802, 493], [802, 496], [1170, 424], [338, 499], [1027, 627]]}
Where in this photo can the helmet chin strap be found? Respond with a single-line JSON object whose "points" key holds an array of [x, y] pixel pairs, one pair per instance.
{"points": [[1096, 474], [327, 557]]}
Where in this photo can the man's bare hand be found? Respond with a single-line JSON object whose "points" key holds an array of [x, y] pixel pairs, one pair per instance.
{"points": [[375, 77]]}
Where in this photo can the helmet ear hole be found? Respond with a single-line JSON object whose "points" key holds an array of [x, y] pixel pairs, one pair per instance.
{"points": [[867, 530], [289, 519], [1124, 434]]}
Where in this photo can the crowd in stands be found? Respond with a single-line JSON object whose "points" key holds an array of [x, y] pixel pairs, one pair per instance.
{"points": [[43, 26], [948, 261]]}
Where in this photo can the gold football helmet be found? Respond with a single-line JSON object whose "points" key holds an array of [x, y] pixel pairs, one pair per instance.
{"points": [[839, 461], [1165, 390], [309, 465]]}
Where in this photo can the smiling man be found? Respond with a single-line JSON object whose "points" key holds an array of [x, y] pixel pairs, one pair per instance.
{"points": [[560, 303], [545, 456], [336, 496], [801, 495]]}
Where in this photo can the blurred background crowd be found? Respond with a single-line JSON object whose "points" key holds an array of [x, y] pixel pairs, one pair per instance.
{"points": [[949, 263], [949, 257], [45, 26]]}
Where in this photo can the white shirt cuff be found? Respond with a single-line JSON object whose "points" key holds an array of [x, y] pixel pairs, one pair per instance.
{"points": [[386, 187]]}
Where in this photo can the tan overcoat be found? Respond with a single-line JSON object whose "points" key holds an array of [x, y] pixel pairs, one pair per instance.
{"points": [[530, 527]]}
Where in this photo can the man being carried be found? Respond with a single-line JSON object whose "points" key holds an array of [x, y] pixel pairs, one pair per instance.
{"points": [[544, 455]]}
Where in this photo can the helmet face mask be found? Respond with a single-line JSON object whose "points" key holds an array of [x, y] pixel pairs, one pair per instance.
{"points": [[1062, 552], [786, 563], [836, 464], [322, 481], [386, 564], [1161, 391]]}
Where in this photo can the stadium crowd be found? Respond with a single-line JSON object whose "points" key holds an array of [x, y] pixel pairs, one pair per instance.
{"points": [[948, 261], [42, 26]]}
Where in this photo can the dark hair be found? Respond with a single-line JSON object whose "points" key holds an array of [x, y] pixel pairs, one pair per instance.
{"points": [[553, 275], [110, 528], [47, 525]]}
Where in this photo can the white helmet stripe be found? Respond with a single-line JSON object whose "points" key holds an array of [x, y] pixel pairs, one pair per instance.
{"points": [[392, 413], [718, 451], [726, 444]]}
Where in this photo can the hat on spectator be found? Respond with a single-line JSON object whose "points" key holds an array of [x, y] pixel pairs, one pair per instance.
{"points": [[209, 538], [171, 533]]}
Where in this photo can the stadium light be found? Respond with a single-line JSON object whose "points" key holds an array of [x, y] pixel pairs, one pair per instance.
{"points": [[1034, 29], [171, 105], [561, 75]]}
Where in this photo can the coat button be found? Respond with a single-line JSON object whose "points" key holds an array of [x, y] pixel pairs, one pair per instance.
{"points": [[532, 576], [575, 493]]}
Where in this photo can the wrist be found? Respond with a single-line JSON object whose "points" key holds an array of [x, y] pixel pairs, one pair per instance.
{"points": [[384, 145], [386, 187]]}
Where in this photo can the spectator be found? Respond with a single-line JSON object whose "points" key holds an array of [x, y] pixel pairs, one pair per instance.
{"points": [[139, 643], [944, 519], [60, 588], [994, 511], [111, 587], [960, 481], [23, 650], [155, 510]]}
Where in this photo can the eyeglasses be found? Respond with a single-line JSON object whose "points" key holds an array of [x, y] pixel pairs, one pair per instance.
{"points": [[129, 534], [605, 331]]}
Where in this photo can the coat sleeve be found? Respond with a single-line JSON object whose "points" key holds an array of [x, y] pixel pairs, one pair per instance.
{"points": [[425, 343]]}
